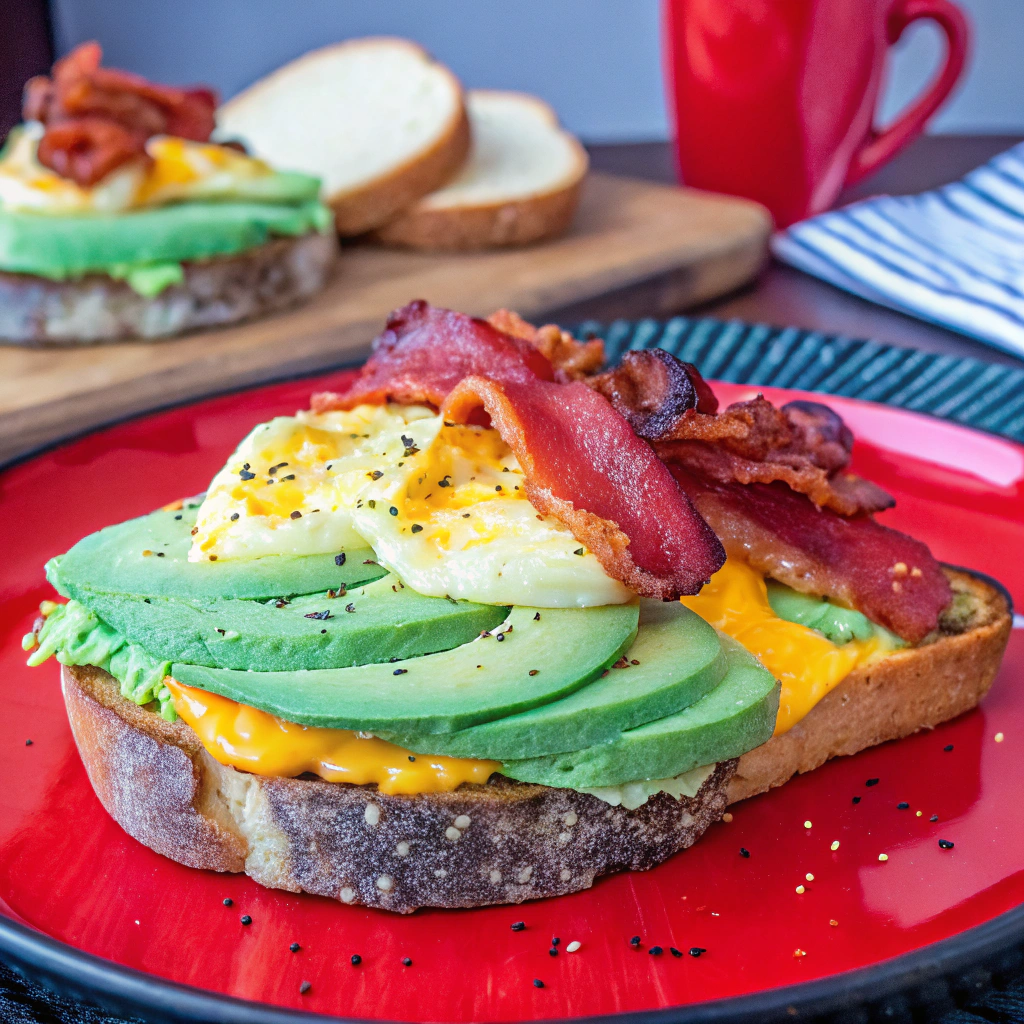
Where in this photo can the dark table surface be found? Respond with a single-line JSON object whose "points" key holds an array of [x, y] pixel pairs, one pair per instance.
{"points": [[788, 297], [781, 296]]}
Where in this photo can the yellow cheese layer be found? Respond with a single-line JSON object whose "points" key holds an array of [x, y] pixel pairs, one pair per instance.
{"points": [[257, 742], [806, 663]]}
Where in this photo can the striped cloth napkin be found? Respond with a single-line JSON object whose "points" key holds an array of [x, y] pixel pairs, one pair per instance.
{"points": [[954, 256]]}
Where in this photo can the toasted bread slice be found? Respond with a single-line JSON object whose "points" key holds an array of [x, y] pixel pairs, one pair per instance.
{"points": [[521, 183], [218, 291], [913, 689], [503, 842], [378, 120]]}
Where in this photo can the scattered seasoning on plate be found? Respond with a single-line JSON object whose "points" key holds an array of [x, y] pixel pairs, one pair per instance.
{"points": [[304, 988], [835, 846], [697, 950], [411, 758], [800, 890], [883, 857], [934, 818], [572, 947], [856, 799], [744, 852], [555, 940], [799, 953], [807, 824], [519, 926], [727, 818], [356, 959], [948, 747], [28, 743], [872, 782], [534, 671], [635, 942], [903, 806], [406, 962], [552, 951], [246, 920], [655, 951], [999, 737], [400, 672], [675, 952], [945, 844], [339, 559], [295, 947], [228, 901], [296, 514], [537, 983], [809, 877], [833, 923]]}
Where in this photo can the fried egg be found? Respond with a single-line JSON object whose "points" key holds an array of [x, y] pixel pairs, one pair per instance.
{"points": [[443, 506], [178, 170]]}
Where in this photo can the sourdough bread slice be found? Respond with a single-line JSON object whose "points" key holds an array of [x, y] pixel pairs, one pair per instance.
{"points": [[218, 291], [520, 184], [377, 120], [912, 689], [504, 842]]}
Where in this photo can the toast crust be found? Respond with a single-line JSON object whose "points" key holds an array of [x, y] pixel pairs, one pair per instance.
{"points": [[909, 690], [216, 292], [504, 842], [366, 206]]}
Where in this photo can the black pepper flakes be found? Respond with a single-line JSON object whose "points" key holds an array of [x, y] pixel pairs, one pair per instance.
{"points": [[499, 637], [376, 474], [406, 961], [400, 672], [635, 942], [28, 743], [856, 799], [177, 517], [228, 901], [536, 617], [246, 920], [304, 988], [696, 951], [578, 551], [317, 615], [444, 482], [655, 951], [393, 510], [555, 941], [416, 528], [872, 782], [411, 758], [290, 476], [744, 852], [948, 747], [945, 844], [295, 947], [519, 926], [339, 559], [552, 951], [350, 607], [903, 806], [296, 515], [675, 952], [934, 818], [356, 959], [246, 475], [537, 983]]}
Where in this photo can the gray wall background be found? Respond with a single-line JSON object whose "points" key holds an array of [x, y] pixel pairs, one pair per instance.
{"points": [[596, 61]]}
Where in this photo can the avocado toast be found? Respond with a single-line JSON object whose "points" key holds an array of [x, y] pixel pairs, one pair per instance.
{"points": [[120, 218], [400, 654]]}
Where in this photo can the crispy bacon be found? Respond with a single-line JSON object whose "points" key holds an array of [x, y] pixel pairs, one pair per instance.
{"points": [[98, 118], [804, 444], [571, 359], [890, 577], [586, 467], [425, 351]]}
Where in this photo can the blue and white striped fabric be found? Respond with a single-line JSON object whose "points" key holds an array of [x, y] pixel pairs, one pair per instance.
{"points": [[954, 256]]}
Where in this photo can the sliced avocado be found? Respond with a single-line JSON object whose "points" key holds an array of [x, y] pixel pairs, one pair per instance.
{"points": [[840, 625], [544, 654], [738, 715], [382, 621], [679, 661], [71, 245], [115, 560]]}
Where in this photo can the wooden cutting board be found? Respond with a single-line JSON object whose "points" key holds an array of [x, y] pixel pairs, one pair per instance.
{"points": [[655, 248]]}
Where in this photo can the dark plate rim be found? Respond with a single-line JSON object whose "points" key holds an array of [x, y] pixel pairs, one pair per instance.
{"points": [[73, 973]]}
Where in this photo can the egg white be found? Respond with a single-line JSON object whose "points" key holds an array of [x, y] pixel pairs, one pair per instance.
{"points": [[443, 507]]}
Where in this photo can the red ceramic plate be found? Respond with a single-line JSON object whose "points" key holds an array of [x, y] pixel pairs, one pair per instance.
{"points": [[72, 883]]}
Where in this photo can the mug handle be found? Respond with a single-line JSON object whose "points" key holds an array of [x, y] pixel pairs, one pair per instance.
{"points": [[880, 147]]}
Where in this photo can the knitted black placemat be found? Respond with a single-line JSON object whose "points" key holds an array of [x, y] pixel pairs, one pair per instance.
{"points": [[967, 391]]}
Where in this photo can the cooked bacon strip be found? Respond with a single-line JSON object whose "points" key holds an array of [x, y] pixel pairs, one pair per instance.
{"points": [[98, 118], [571, 359], [890, 577], [585, 466], [804, 444], [425, 351]]}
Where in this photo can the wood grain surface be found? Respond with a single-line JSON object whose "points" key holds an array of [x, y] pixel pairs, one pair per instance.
{"points": [[671, 247]]}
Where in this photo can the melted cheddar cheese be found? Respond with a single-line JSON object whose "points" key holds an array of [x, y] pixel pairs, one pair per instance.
{"points": [[257, 742], [807, 664]]}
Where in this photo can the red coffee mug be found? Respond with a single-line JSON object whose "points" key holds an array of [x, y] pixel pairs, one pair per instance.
{"points": [[776, 99]]}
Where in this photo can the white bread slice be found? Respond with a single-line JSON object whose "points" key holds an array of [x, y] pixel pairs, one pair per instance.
{"points": [[521, 183], [378, 120]]}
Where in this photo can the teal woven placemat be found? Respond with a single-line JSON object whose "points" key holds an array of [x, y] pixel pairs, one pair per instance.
{"points": [[968, 391]]}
